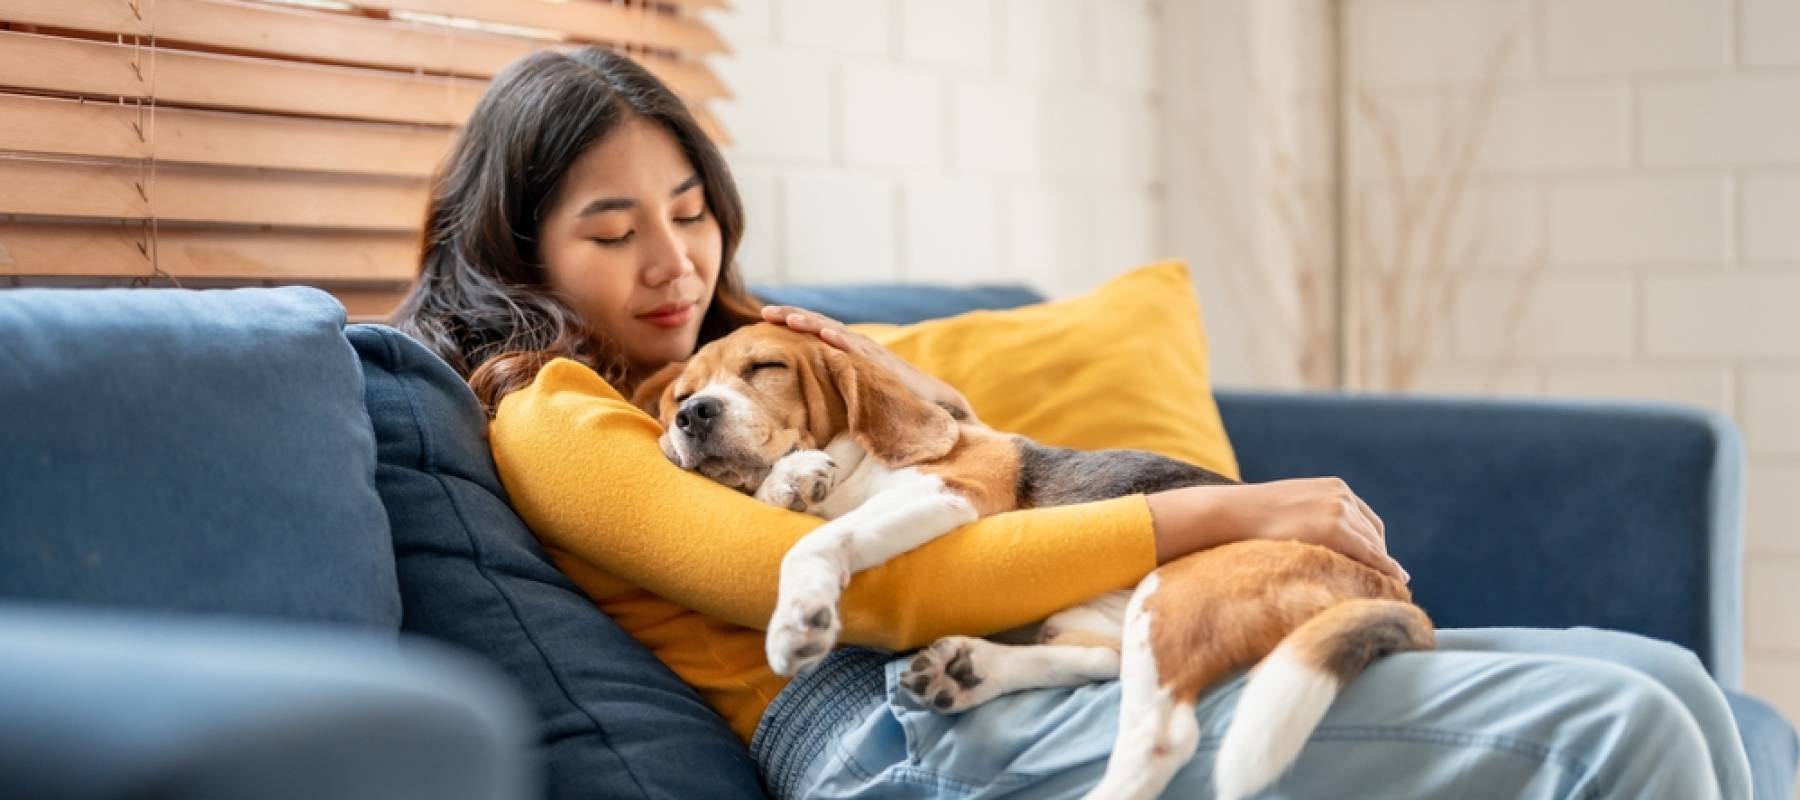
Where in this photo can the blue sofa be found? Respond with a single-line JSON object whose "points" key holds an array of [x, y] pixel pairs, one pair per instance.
{"points": [[249, 551]]}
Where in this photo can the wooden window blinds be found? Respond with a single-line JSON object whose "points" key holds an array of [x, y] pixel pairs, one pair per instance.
{"points": [[258, 142]]}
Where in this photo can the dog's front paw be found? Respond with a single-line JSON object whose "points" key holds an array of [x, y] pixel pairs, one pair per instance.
{"points": [[799, 480], [802, 631], [948, 675]]}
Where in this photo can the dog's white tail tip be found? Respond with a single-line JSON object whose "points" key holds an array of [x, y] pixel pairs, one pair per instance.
{"points": [[1281, 705]]}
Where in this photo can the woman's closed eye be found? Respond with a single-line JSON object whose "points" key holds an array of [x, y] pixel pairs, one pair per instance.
{"points": [[622, 240]]}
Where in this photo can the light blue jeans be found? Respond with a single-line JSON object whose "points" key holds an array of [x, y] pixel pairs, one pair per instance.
{"points": [[1500, 713]]}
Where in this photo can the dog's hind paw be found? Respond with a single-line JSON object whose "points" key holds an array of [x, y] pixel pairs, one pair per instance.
{"points": [[948, 676]]}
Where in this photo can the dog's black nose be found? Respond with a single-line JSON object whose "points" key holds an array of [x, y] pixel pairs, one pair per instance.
{"points": [[696, 416]]}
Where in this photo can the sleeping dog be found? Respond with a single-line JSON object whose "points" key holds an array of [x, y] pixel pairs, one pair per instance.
{"points": [[797, 423]]}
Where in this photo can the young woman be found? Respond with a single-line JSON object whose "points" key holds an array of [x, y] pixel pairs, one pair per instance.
{"points": [[581, 236]]}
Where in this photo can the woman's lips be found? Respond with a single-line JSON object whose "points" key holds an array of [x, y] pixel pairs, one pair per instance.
{"points": [[672, 315]]}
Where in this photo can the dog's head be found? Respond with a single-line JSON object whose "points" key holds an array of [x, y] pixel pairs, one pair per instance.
{"points": [[747, 399]]}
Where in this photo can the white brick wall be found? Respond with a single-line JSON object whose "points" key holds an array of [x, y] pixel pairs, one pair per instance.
{"points": [[1640, 220], [1768, 32], [1652, 147], [1771, 217], [1634, 36], [1771, 413], [958, 141]]}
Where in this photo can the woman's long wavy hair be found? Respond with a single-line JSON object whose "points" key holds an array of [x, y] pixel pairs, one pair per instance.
{"points": [[482, 301]]}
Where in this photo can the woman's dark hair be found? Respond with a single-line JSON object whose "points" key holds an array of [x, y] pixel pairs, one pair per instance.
{"points": [[482, 301]]}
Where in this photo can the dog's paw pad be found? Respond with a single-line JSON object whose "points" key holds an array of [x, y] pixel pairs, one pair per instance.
{"points": [[945, 676], [800, 635], [799, 480]]}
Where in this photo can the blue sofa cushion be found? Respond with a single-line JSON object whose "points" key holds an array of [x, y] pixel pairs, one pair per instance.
{"points": [[896, 304], [191, 451], [616, 722]]}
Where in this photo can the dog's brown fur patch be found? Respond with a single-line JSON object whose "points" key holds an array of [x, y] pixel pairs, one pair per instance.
{"points": [[1225, 608]]}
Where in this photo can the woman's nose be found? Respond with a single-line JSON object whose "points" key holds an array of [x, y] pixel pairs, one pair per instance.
{"points": [[665, 256]]}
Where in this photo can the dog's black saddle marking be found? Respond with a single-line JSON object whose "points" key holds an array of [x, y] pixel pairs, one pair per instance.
{"points": [[1059, 476]]}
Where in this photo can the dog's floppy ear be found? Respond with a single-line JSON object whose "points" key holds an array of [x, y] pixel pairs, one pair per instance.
{"points": [[655, 392], [886, 418], [825, 412]]}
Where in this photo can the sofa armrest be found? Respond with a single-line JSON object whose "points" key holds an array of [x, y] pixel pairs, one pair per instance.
{"points": [[1532, 513], [104, 704]]}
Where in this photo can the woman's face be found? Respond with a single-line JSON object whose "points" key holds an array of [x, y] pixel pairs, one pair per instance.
{"points": [[632, 246]]}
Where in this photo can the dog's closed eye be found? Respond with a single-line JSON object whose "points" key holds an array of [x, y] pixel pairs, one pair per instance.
{"points": [[759, 366]]}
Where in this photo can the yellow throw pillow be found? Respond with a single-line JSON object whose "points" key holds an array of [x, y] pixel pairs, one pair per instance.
{"points": [[1123, 366]]}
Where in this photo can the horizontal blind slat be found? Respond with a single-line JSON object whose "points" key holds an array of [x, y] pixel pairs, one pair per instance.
{"points": [[299, 33], [47, 63], [45, 249], [600, 22], [59, 126], [68, 189]]}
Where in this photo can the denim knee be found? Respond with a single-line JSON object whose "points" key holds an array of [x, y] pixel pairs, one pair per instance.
{"points": [[1635, 736], [1672, 665]]}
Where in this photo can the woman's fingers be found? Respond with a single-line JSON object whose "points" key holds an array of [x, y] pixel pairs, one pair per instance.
{"points": [[799, 319], [1369, 525], [1361, 541], [1374, 518], [1369, 551], [834, 333]]}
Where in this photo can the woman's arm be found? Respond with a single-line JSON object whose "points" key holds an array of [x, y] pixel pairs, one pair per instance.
{"points": [[583, 468]]}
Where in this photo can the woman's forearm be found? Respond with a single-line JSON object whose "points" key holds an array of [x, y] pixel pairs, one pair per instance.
{"points": [[1179, 521], [1321, 511]]}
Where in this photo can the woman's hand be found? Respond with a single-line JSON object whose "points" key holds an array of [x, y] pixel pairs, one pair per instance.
{"points": [[1321, 511], [835, 333]]}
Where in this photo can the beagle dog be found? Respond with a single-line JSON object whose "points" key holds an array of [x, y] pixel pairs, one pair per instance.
{"points": [[799, 424]]}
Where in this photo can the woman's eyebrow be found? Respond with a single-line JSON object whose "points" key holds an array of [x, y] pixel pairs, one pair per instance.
{"points": [[623, 203]]}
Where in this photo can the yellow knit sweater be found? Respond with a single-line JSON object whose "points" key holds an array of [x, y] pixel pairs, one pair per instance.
{"points": [[689, 567]]}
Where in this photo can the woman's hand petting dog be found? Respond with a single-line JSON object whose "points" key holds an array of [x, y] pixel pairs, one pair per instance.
{"points": [[838, 335], [1321, 511]]}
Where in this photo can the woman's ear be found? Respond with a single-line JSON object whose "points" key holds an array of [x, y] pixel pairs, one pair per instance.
{"points": [[655, 393], [887, 419]]}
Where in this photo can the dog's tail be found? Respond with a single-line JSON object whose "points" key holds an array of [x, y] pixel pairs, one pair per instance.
{"points": [[1288, 692]]}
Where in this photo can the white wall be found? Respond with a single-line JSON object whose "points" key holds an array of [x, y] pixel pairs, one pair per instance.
{"points": [[959, 141]]}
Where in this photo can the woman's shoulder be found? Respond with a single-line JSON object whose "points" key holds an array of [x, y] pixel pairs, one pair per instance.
{"points": [[565, 392]]}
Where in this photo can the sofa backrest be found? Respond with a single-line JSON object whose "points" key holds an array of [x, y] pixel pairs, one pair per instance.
{"points": [[196, 451]]}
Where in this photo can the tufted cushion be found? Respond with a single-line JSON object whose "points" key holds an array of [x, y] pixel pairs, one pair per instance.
{"points": [[616, 722], [189, 451]]}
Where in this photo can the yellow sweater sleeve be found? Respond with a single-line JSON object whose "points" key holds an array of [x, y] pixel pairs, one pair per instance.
{"points": [[583, 469]]}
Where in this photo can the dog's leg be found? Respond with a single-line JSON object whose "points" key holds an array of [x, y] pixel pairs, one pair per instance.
{"points": [[1076, 646], [957, 673], [1158, 732], [905, 514]]}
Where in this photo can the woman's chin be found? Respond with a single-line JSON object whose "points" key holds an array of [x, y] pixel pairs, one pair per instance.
{"points": [[665, 347]]}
